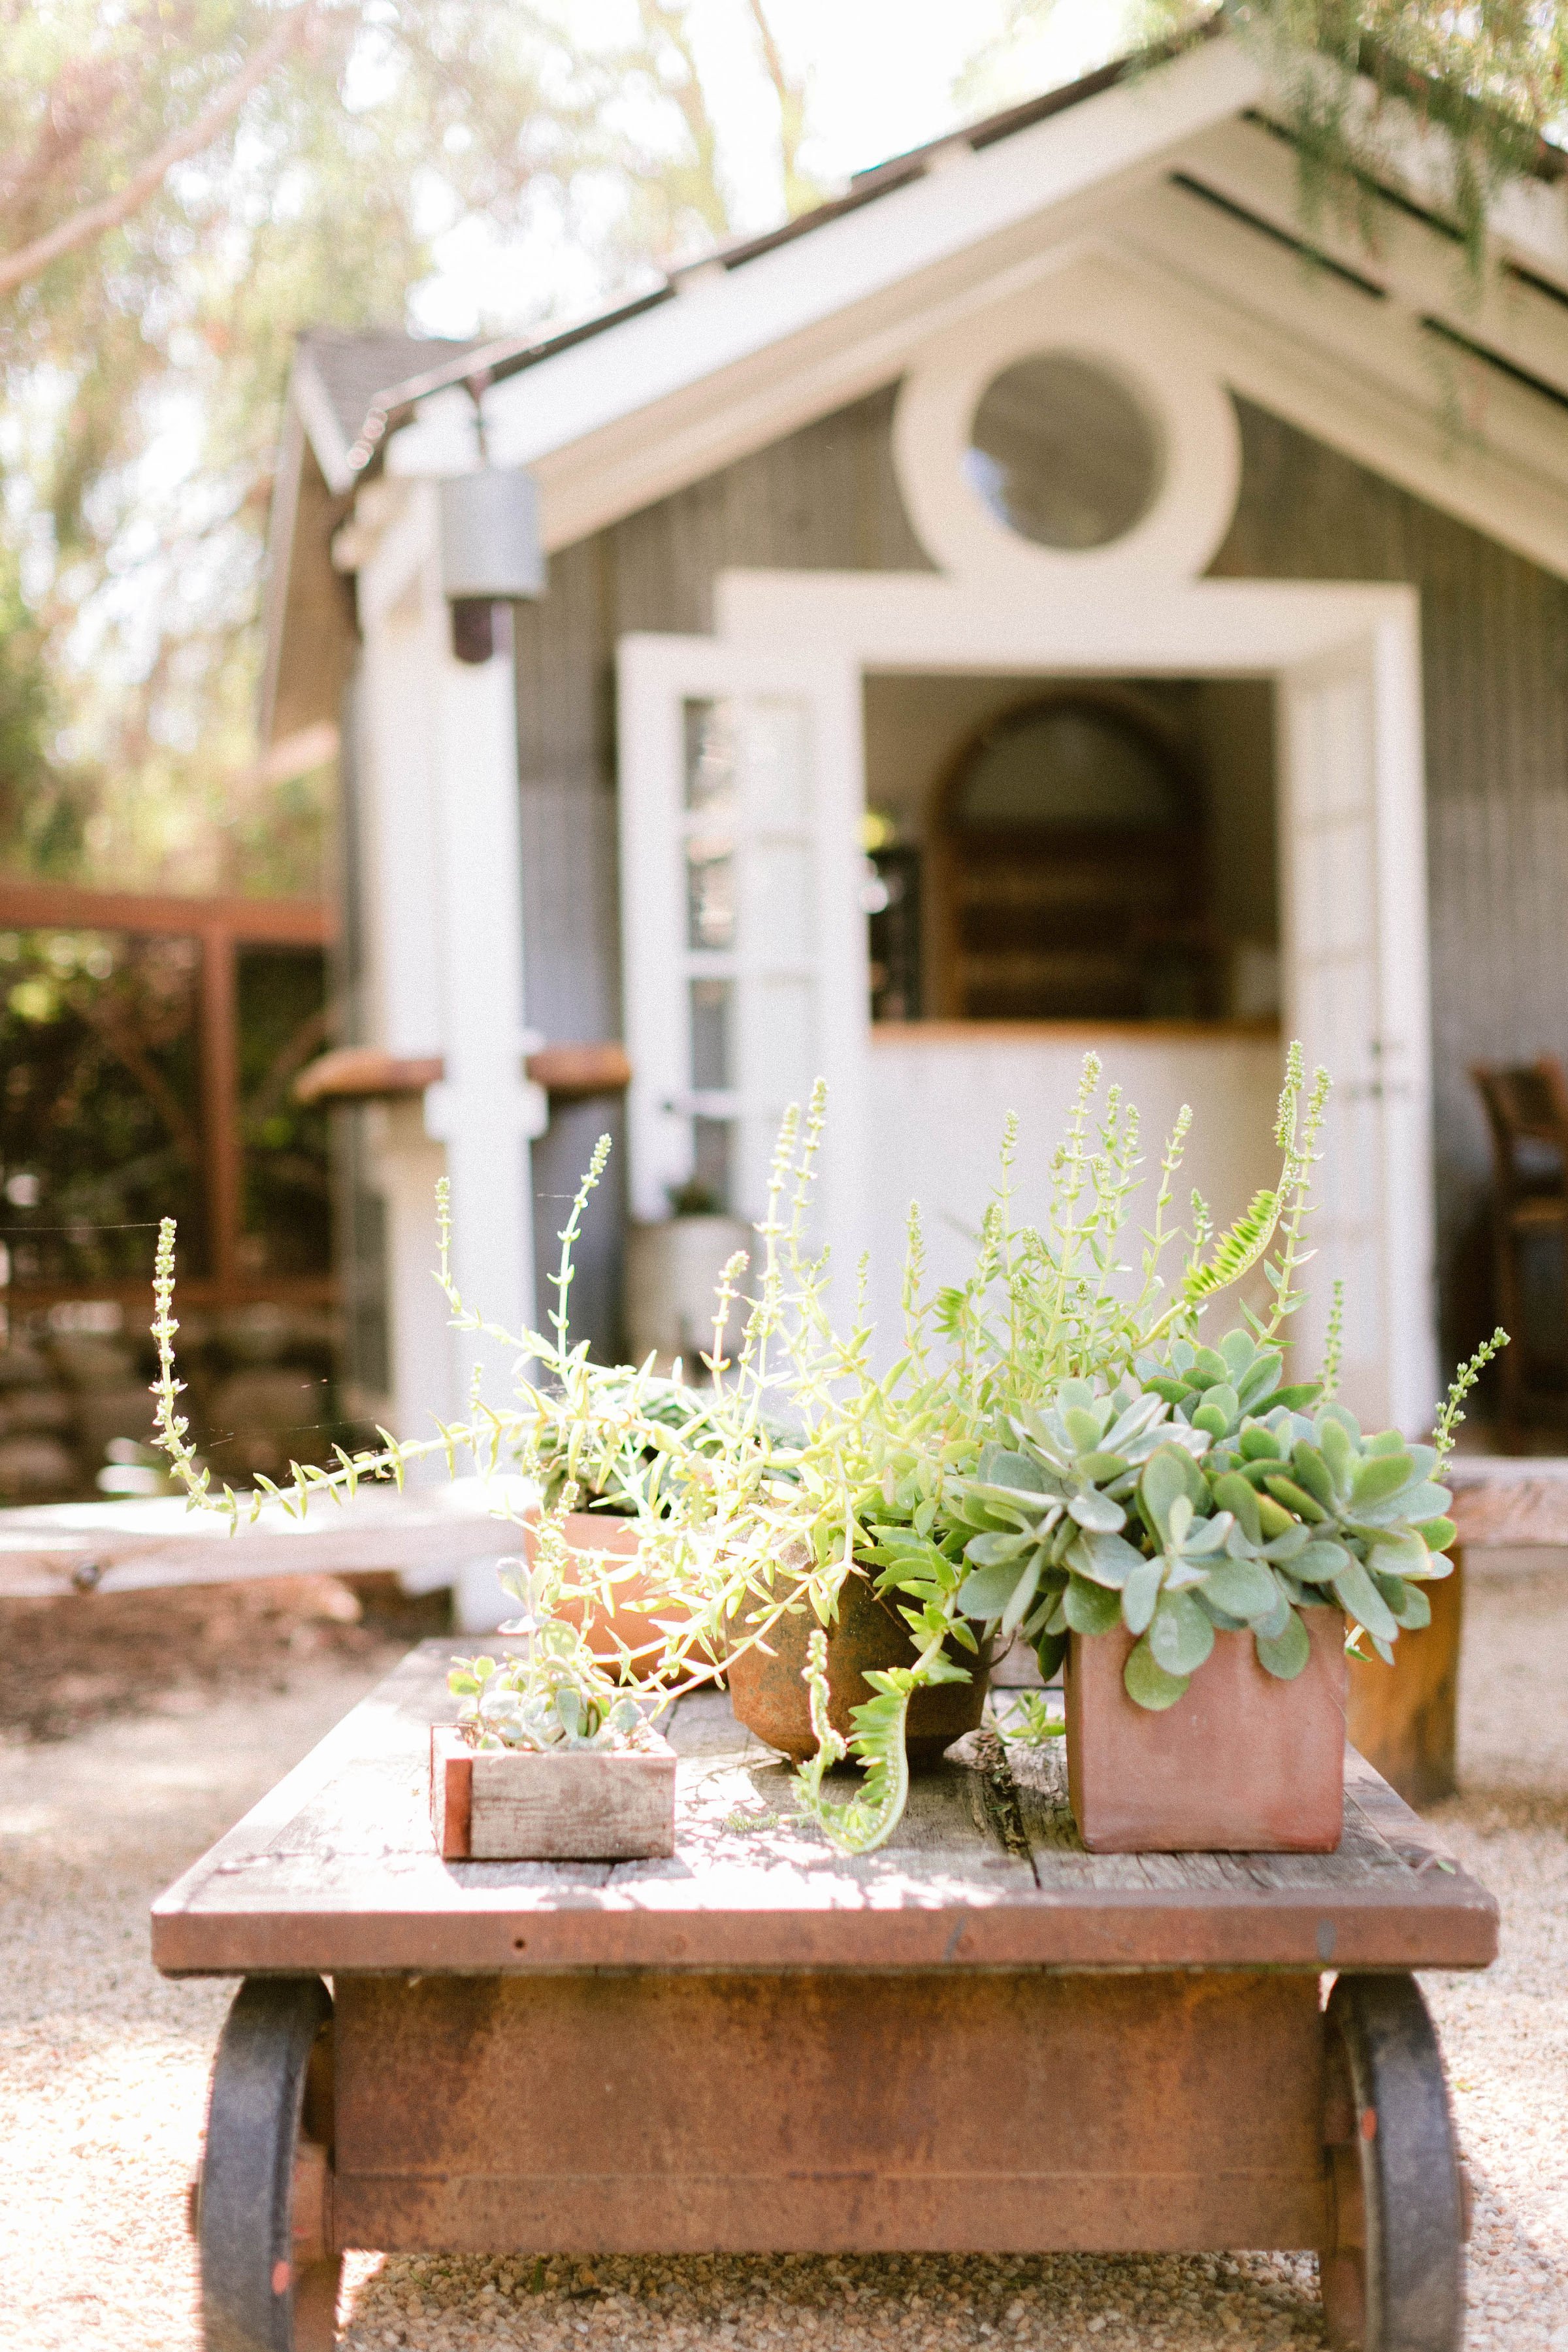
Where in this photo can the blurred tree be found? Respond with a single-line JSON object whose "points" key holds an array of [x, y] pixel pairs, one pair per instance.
{"points": [[186, 183], [1354, 78], [42, 804]]}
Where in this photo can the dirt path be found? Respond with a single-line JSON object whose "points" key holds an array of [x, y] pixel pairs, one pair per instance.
{"points": [[103, 2067]]}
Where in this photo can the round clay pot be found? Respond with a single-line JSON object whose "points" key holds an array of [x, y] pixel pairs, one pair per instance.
{"points": [[770, 1697], [601, 1531]]}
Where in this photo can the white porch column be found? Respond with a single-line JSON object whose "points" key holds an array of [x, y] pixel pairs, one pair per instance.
{"points": [[485, 1112], [442, 919]]}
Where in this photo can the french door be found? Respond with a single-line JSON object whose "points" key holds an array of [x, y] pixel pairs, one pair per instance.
{"points": [[745, 978]]}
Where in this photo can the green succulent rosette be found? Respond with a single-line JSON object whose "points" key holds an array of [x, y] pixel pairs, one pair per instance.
{"points": [[1201, 1498]]}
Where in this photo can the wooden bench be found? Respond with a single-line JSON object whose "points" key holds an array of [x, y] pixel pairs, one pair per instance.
{"points": [[980, 2037]]}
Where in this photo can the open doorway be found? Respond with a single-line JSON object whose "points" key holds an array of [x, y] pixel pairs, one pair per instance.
{"points": [[1070, 849]]}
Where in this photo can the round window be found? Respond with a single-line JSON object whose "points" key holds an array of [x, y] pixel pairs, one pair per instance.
{"points": [[1062, 453]]}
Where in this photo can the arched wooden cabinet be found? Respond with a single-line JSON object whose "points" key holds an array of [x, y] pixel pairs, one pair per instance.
{"points": [[1068, 867]]}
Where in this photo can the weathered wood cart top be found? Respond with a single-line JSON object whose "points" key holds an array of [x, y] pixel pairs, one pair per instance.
{"points": [[337, 1871]]}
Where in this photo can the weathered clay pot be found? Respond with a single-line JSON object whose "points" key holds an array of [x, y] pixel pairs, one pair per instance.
{"points": [[770, 1696], [601, 1531], [1242, 1764]]}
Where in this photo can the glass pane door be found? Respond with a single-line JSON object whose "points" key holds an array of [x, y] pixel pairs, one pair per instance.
{"points": [[749, 993]]}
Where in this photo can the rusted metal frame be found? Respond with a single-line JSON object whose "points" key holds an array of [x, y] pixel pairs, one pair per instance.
{"points": [[1181, 2111]]}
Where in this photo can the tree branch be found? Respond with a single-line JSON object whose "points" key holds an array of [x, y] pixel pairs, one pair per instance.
{"points": [[800, 194], [96, 220]]}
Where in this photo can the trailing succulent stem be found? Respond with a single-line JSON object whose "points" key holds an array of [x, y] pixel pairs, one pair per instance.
{"points": [[1449, 1416], [868, 1819]]}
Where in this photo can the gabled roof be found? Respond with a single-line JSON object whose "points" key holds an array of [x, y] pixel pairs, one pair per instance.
{"points": [[483, 365], [1174, 165], [394, 398], [340, 376]]}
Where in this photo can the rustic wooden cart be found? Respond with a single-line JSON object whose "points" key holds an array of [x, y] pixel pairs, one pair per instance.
{"points": [[979, 2039]]}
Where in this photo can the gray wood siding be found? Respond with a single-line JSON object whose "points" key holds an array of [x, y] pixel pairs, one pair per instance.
{"points": [[1494, 631], [823, 499]]}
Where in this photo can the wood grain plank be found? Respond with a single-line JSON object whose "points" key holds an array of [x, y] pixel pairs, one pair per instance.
{"points": [[337, 1870]]}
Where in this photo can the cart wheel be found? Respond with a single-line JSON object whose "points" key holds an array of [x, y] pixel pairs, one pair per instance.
{"points": [[269, 2280], [1394, 2274]]}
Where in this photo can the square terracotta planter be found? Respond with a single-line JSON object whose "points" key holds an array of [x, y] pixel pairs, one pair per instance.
{"points": [[508, 1804], [1242, 1764]]}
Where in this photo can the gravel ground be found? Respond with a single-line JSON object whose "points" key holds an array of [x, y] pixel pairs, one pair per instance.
{"points": [[103, 2067]]}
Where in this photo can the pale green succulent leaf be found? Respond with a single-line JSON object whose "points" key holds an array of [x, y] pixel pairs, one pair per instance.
{"points": [[1146, 1681], [1378, 1476], [1140, 1593], [987, 1591], [1359, 1597], [993, 1550], [1411, 1609], [1284, 1654], [1023, 1594], [1242, 1588], [1180, 1634], [1092, 1608], [1097, 1512], [1104, 1558]]}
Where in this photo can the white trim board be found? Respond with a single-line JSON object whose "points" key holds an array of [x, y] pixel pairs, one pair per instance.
{"points": [[914, 621], [1359, 375]]}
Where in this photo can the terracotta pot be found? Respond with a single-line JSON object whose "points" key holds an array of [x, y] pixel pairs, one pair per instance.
{"points": [[600, 1531], [1242, 1764], [770, 1697]]}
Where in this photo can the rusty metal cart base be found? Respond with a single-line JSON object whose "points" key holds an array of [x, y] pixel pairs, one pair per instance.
{"points": [[981, 2039]]}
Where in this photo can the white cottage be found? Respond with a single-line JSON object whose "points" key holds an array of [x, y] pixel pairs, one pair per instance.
{"points": [[1046, 598]]}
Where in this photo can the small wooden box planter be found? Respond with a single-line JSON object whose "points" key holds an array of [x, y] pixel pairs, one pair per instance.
{"points": [[509, 1804], [1242, 1764]]}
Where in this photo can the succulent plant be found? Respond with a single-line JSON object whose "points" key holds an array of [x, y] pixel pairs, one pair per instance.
{"points": [[1028, 1505], [1238, 1519], [556, 1695], [1376, 1518], [1217, 1388], [502, 1712]]}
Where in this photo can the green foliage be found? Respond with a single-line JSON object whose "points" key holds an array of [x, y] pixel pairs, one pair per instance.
{"points": [[1356, 81], [1030, 1721], [1055, 1450], [1355, 78], [144, 369], [868, 1820]]}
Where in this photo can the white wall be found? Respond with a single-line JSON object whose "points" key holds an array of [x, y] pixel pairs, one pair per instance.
{"points": [[939, 1094]]}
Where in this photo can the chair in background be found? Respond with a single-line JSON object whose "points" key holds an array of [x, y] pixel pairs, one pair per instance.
{"points": [[1527, 1110]]}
